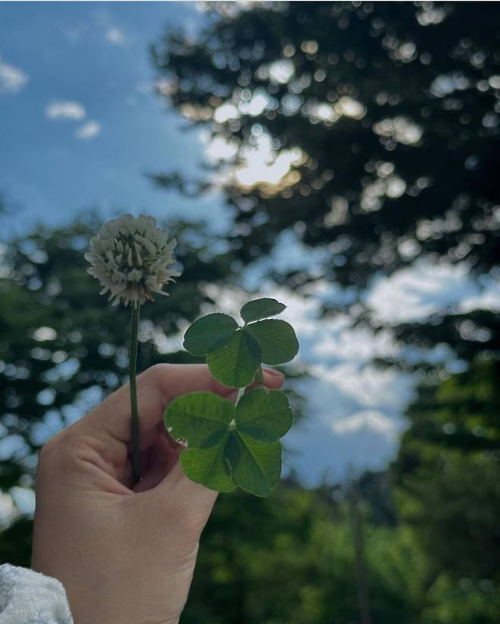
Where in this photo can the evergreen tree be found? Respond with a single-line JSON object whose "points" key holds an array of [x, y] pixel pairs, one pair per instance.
{"points": [[388, 115]]}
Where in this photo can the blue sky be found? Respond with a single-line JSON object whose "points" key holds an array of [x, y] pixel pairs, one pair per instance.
{"points": [[79, 127], [79, 122]]}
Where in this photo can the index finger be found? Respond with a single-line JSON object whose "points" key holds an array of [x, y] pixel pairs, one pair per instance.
{"points": [[156, 388]]}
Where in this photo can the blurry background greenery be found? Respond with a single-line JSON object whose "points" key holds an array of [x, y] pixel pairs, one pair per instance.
{"points": [[386, 115]]}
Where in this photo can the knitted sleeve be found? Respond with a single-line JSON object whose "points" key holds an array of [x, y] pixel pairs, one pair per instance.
{"points": [[27, 597]]}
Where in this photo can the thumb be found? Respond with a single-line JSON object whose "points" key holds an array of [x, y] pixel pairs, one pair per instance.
{"points": [[193, 501]]}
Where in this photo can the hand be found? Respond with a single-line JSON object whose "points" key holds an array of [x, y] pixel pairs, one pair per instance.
{"points": [[124, 553]]}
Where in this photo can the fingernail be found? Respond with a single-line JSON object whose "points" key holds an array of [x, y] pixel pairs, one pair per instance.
{"points": [[274, 373]]}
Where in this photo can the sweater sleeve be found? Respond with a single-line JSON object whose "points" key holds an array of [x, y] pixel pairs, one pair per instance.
{"points": [[27, 597]]}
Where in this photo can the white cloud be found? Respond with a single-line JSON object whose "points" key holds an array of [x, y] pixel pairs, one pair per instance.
{"points": [[220, 148], [12, 79], [65, 110], [367, 420], [413, 294], [115, 35], [89, 130], [226, 112], [261, 164], [366, 386]]}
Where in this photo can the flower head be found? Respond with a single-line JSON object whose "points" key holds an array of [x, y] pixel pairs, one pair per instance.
{"points": [[131, 258]]}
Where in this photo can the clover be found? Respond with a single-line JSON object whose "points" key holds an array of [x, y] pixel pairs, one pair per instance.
{"points": [[236, 445], [132, 258], [235, 353]]}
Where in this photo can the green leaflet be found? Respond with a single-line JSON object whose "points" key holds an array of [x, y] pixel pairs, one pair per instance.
{"points": [[209, 333], [202, 418], [276, 339], [235, 364], [256, 466], [265, 416], [260, 309], [208, 467], [231, 445]]}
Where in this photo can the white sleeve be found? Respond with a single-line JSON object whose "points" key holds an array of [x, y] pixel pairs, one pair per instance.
{"points": [[27, 597]]}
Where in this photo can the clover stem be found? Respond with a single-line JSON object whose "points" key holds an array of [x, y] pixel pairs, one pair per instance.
{"points": [[241, 392], [136, 456]]}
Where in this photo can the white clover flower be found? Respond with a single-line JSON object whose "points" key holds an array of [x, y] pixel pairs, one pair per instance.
{"points": [[131, 258]]}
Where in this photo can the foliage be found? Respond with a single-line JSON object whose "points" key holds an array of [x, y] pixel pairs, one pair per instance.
{"points": [[449, 463], [388, 116], [289, 558], [236, 445]]}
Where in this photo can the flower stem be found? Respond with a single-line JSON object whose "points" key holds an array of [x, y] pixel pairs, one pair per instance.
{"points": [[136, 456]]}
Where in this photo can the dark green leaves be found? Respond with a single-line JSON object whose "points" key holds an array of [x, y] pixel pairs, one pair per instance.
{"points": [[209, 467], [261, 309], [199, 417], [234, 353], [236, 445], [209, 333], [257, 466], [276, 339], [236, 363], [231, 445], [263, 415]]}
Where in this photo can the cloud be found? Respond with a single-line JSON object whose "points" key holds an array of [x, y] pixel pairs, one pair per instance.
{"points": [[413, 294], [89, 130], [12, 79], [65, 110], [370, 420], [319, 454], [115, 35]]}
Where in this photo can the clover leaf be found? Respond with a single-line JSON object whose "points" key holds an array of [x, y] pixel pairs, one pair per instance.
{"points": [[235, 353], [209, 333], [209, 467], [257, 466], [276, 339], [237, 362], [261, 309], [231, 445], [202, 418]]}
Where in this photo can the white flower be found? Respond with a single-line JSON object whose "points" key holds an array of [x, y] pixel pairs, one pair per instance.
{"points": [[131, 258]]}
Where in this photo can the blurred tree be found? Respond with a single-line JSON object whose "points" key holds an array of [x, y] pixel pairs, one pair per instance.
{"points": [[447, 474], [290, 558], [370, 130]]}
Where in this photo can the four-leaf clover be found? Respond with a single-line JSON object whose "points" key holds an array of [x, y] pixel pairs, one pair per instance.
{"points": [[231, 445]]}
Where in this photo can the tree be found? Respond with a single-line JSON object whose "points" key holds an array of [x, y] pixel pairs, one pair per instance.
{"points": [[381, 123], [290, 558], [447, 474]]}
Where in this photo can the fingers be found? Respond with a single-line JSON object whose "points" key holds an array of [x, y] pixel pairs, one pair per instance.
{"points": [[155, 389]]}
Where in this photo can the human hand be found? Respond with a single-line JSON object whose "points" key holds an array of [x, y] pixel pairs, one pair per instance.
{"points": [[125, 554]]}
